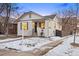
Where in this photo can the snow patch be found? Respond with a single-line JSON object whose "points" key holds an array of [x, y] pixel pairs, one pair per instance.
{"points": [[24, 45], [65, 49]]}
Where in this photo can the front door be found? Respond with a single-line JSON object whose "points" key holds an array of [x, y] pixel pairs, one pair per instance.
{"points": [[35, 27], [34, 31]]}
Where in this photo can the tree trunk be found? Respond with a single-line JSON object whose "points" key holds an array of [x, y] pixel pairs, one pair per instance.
{"points": [[6, 27], [8, 9], [74, 35]]}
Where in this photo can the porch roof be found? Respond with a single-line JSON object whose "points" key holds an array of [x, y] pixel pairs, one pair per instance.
{"points": [[35, 20]]}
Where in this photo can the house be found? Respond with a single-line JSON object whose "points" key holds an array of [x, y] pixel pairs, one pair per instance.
{"points": [[68, 25], [37, 25], [12, 26], [50, 25]]}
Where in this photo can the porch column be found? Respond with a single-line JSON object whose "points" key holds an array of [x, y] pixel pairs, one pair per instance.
{"points": [[38, 29]]}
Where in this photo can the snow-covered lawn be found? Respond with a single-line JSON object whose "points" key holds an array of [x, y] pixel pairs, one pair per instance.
{"points": [[65, 49], [26, 44]]}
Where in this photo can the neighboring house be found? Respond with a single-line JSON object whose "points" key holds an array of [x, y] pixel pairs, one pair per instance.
{"points": [[12, 26], [36, 24], [68, 26]]}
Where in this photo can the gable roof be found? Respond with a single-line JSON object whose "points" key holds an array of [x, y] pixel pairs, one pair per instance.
{"points": [[42, 17], [30, 12]]}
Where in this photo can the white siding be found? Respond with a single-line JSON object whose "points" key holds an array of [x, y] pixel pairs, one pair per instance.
{"points": [[49, 28], [57, 24], [34, 16], [51, 25], [25, 17]]}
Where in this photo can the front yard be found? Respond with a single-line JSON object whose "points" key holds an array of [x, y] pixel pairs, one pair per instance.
{"points": [[55, 46], [26, 44], [33, 45]]}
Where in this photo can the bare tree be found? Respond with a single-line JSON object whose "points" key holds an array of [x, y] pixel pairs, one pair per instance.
{"points": [[76, 20], [7, 9], [70, 16]]}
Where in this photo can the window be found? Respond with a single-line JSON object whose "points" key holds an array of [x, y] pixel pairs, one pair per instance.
{"points": [[42, 25], [24, 25]]}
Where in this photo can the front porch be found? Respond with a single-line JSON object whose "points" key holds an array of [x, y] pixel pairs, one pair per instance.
{"points": [[34, 28], [38, 28]]}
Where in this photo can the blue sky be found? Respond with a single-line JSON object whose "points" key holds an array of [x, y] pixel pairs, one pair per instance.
{"points": [[43, 8]]}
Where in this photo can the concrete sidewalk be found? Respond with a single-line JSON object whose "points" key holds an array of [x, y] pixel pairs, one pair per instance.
{"points": [[45, 48]]}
